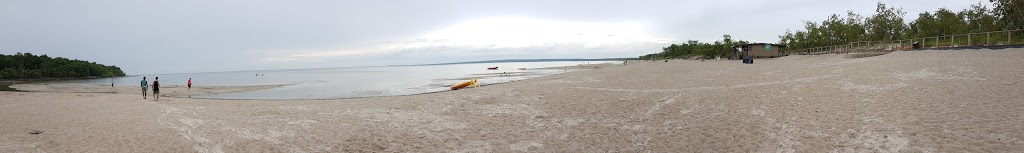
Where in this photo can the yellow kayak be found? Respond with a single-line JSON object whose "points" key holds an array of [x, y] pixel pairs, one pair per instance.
{"points": [[464, 84]]}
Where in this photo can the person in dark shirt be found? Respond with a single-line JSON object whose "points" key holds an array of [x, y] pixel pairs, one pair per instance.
{"points": [[156, 89]]}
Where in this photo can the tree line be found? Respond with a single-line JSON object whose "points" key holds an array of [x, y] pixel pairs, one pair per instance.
{"points": [[696, 49], [886, 24], [28, 66]]}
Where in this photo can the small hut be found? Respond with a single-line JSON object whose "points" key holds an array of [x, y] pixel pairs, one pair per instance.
{"points": [[758, 50]]}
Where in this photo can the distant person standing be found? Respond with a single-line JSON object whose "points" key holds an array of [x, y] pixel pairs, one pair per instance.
{"points": [[189, 84], [144, 85], [156, 89]]}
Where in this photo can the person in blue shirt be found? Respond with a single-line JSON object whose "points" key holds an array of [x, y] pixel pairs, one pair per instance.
{"points": [[144, 85]]}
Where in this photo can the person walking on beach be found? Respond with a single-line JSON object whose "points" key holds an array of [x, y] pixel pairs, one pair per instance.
{"points": [[144, 85], [156, 89], [189, 84]]}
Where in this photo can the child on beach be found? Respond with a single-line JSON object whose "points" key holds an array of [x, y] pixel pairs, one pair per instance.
{"points": [[144, 85], [156, 89], [189, 84]]}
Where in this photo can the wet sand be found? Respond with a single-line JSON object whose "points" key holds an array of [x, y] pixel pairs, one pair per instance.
{"points": [[165, 91], [914, 101]]}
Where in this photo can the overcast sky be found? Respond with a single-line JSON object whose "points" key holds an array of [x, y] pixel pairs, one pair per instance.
{"points": [[181, 36]]}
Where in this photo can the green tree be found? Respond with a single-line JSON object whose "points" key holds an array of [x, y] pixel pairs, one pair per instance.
{"points": [[981, 19], [886, 24], [950, 23], [925, 25], [1010, 12]]}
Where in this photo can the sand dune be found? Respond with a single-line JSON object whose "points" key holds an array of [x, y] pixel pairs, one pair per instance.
{"points": [[913, 101]]}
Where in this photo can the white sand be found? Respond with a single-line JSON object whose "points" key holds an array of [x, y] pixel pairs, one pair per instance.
{"points": [[919, 101]]}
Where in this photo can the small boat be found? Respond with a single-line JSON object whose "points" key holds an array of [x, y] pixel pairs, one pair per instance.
{"points": [[492, 68]]}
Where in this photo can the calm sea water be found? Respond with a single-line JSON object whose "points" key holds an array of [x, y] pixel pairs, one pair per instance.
{"points": [[327, 83]]}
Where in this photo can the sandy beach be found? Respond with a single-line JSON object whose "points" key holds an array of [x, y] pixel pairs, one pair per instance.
{"points": [[906, 101]]}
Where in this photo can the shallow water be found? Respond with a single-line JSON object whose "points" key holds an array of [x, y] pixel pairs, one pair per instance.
{"points": [[350, 82]]}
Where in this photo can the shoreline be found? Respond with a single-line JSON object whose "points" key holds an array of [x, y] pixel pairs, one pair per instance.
{"points": [[167, 91], [215, 90]]}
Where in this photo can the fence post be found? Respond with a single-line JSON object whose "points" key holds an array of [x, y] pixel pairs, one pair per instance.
{"points": [[968, 39], [988, 37], [951, 42]]}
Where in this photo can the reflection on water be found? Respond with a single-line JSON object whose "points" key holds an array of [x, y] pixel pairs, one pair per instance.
{"points": [[326, 83]]}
